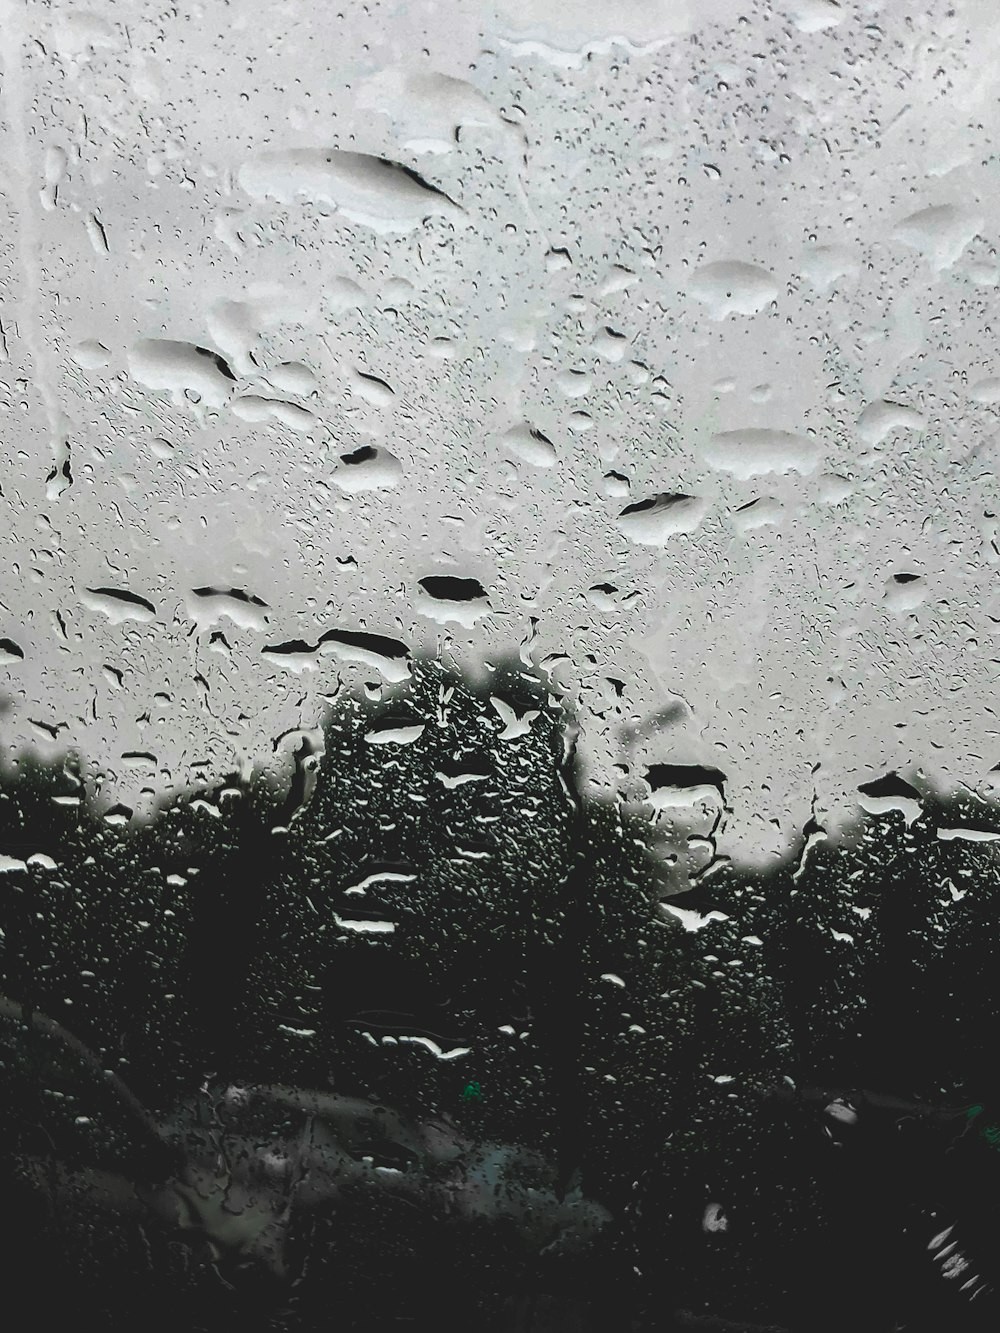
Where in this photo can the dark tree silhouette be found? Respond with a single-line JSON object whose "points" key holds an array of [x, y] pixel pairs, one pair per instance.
{"points": [[431, 902]]}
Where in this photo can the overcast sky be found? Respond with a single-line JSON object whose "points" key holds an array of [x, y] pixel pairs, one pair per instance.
{"points": [[732, 263]]}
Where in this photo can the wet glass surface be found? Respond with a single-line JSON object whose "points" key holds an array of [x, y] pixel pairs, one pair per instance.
{"points": [[498, 789]]}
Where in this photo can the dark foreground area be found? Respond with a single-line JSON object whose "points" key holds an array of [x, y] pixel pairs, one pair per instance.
{"points": [[413, 1041]]}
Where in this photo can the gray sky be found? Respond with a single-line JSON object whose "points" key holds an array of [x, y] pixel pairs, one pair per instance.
{"points": [[740, 254]]}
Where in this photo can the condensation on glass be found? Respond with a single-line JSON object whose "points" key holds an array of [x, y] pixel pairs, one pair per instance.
{"points": [[498, 657]]}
